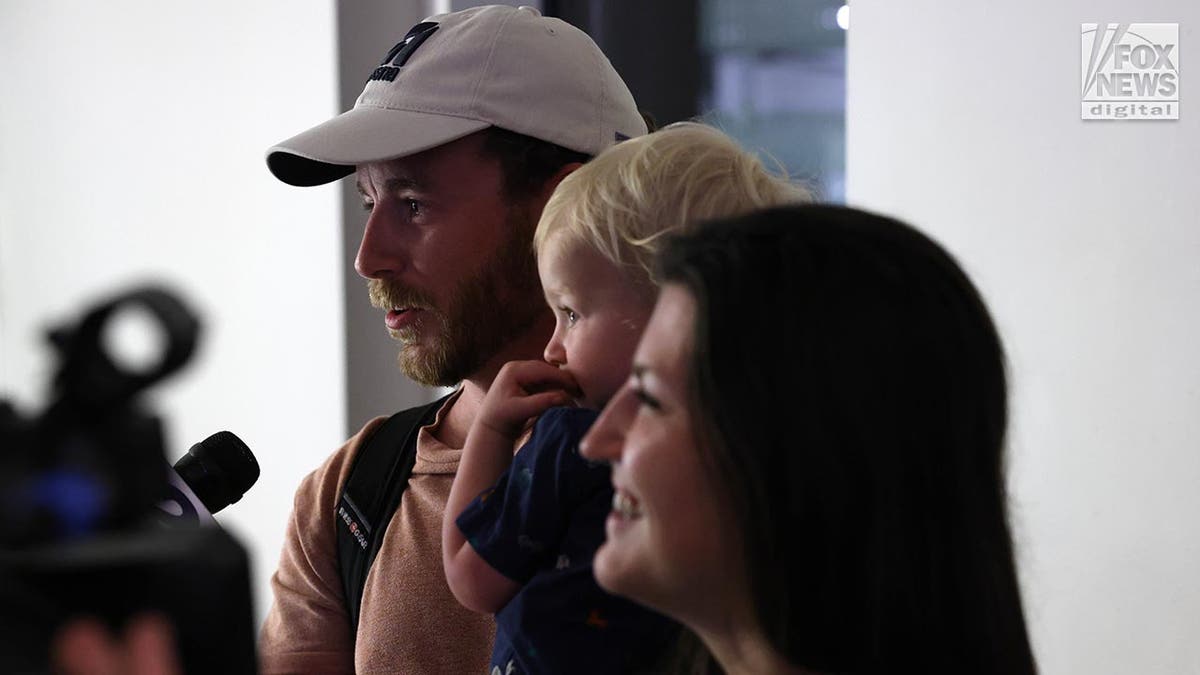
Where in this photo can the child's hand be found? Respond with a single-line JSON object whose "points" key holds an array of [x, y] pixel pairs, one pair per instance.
{"points": [[522, 390]]}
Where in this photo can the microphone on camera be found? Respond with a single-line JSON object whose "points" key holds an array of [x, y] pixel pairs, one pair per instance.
{"points": [[214, 473]]}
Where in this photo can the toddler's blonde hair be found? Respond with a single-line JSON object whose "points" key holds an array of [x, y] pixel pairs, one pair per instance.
{"points": [[623, 202]]}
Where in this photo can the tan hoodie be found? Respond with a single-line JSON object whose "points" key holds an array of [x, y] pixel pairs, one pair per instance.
{"points": [[409, 622]]}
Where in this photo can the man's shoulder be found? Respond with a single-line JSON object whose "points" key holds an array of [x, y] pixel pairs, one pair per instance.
{"points": [[346, 454], [327, 480], [333, 473]]}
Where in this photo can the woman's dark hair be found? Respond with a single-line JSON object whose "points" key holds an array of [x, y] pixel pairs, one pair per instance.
{"points": [[852, 389]]}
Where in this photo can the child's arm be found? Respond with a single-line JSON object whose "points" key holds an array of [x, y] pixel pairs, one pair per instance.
{"points": [[522, 390]]}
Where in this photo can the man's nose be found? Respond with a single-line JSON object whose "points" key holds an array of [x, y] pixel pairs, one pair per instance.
{"points": [[378, 252]]}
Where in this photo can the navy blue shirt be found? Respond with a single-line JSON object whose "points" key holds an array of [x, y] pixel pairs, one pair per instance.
{"points": [[540, 526]]}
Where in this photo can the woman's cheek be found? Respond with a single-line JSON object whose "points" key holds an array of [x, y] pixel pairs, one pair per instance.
{"points": [[616, 566]]}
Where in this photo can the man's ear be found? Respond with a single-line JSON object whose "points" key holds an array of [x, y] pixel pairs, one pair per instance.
{"points": [[553, 181]]}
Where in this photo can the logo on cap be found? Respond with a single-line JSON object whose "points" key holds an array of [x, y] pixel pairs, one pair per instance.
{"points": [[397, 56]]}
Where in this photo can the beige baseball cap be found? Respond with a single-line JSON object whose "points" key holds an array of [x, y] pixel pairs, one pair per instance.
{"points": [[458, 73]]}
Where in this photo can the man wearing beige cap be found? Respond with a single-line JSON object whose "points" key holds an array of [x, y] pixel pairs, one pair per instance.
{"points": [[458, 139]]}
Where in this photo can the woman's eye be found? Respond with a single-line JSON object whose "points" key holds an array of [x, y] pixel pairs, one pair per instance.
{"points": [[414, 207], [570, 315], [368, 206], [646, 399]]}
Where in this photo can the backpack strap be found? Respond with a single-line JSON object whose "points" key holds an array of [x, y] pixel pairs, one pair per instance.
{"points": [[372, 494]]}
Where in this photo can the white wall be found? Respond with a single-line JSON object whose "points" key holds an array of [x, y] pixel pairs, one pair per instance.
{"points": [[964, 119], [132, 136]]}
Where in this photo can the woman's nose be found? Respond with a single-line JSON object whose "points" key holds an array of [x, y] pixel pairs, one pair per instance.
{"points": [[605, 440]]}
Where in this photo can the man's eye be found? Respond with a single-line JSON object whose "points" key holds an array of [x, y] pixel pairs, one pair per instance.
{"points": [[414, 207], [570, 315], [368, 206]]}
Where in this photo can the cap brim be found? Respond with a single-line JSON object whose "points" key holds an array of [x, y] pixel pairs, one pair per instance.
{"points": [[331, 150]]}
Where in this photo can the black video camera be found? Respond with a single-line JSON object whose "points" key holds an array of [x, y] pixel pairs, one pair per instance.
{"points": [[78, 486]]}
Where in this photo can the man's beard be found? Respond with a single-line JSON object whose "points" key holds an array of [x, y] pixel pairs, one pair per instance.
{"points": [[488, 310]]}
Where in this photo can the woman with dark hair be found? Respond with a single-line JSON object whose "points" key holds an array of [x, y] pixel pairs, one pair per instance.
{"points": [[808, 455]]}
